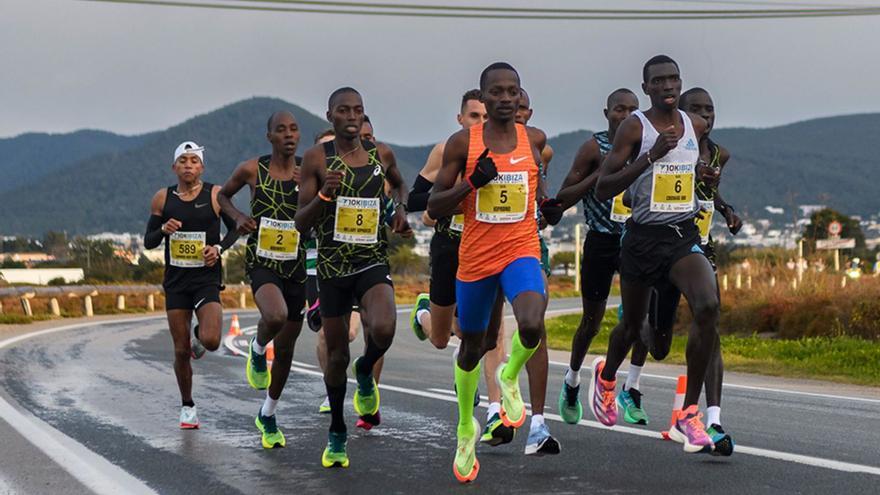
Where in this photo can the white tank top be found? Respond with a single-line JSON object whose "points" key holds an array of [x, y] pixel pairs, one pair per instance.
{"points": [[664, 193]]}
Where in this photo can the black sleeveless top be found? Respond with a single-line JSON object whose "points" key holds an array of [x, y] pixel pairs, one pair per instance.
{"points": [[200, 226], [276, 200], [357, 241]]}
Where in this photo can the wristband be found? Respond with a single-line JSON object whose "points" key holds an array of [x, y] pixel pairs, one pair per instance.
{"points": [[324, 197], [648, 154], [219, 249]]}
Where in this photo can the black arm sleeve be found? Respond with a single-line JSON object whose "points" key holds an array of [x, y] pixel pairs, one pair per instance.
{"points": [[231, 232], [154, 234], [418, 195]]}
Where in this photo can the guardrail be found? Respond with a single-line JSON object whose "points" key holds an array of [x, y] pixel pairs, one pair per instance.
{"points": [[55, 294]]}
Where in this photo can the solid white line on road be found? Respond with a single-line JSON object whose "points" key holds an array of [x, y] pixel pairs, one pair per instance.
{"points": [[95, 472]]}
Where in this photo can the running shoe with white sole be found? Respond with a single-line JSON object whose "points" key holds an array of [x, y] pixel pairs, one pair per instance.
{"points": [[689, 431], [569, 404], [324, 408], [724, 444], [366, 394], [189, 418], [423, 301], [334, 453], [602, 400], [540, 442], [631, 403], [513, 410], [257, 370], [465, 467], [272, 438], [496, 432]]}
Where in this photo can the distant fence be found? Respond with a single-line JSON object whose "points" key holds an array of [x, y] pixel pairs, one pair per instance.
{"points": [[87, 300]]}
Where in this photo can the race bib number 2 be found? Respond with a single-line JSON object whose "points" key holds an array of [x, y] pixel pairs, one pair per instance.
{"points": [[357, 220], [278, 239], [186, 249], [673, 187], [505, 199]]}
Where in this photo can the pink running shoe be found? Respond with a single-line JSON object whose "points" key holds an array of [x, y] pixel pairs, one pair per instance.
{"points": [[689, 430], [602, 400]]}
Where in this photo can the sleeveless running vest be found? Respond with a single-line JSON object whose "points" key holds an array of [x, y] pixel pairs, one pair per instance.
{"points": [[184, 261], [598, 213], [706, 196], [664, 193], [276, 242], [500, 223], [351, 233]]}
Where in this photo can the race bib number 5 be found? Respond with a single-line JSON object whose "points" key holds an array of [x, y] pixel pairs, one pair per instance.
{"points": [[505, 199], [186, 248], [673, 187], [357, 220], [278, 239]]}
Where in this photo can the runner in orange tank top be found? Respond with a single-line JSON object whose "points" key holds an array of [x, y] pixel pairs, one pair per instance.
{"points": [[499, 247]]}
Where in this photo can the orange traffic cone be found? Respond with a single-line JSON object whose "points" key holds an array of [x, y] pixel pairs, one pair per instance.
{"points": [[235, 328], [678, 403]]}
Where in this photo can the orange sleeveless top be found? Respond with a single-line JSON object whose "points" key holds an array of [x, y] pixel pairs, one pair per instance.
{"points": [[499, 218]]}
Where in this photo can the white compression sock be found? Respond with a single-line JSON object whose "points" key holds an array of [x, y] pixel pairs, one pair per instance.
{"points": [[537, 420], [258, 348], [269, 406], [572, 377], [422, 313], [494, 408], [713, 415], [632, 377]]}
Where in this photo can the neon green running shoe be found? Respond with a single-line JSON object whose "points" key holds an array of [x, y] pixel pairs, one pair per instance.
{"points": [[513, 410], [272, 436], [496, 433], [334, 453], [366, 394], [631, 403], [423, 301], [324, 408], [466, 466], [257, 370]]}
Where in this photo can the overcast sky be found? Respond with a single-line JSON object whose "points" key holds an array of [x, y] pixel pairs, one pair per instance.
{"points": [[68, 64]]}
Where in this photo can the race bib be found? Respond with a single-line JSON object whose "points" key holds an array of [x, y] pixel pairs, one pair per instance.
{"points": [[186, 248], [619, 212], [672, 189], [457, 223], [505, 199], [357, 220], [277, 240], [705, 224]]}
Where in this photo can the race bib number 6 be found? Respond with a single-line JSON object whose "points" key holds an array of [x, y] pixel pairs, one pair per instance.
{"points": [[673, 187], [186, 248], [505, 199], [357, 220], [278, 239]]}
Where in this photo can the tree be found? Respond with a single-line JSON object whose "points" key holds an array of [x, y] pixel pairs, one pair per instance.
{"points": [[818, 228], [564, 258], [404, 261]]}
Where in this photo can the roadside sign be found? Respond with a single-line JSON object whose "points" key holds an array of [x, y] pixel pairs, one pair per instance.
{"points": [[835, 243], [834, 229]]}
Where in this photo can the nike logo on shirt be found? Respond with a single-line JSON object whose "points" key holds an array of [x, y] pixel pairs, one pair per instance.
{"points": [[514, 161], [206, 204]]}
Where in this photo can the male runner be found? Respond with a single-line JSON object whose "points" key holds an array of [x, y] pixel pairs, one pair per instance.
{"points": [[187, 216], [499, 246], [662, 241], [539, 441], [275, 262], [342, 196], [601, 258]]}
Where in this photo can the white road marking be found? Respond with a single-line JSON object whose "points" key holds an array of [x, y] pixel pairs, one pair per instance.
{"points": [[95, 472]]}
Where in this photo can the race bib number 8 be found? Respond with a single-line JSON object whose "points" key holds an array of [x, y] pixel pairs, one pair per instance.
{"points": [[705, 224], [673, 187], [457, 223], [619, 212], [505, 199], [278, 239], [357, 220], [186, 248]]}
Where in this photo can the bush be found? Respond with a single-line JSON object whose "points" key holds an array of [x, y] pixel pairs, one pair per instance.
{"points": [[57, 281]]}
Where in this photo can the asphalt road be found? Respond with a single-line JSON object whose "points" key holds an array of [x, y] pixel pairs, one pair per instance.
{"points": [[99, 403]]}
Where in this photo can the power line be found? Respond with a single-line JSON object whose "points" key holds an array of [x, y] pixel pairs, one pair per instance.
{"points": [[460, 12]]}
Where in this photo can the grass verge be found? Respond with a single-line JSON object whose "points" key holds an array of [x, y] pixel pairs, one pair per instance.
{"points": [[839, 359]]}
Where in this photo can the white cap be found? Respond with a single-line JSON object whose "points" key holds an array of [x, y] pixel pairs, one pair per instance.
{"points": [[189, 147]]}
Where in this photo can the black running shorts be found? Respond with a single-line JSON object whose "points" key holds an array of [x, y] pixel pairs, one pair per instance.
{"points": [[337, 293], [649, 251], [294, 293], [192, 299], [444, 267], [601, 260]]}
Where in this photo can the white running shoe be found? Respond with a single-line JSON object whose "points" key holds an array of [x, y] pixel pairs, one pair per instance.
{"points": [[189, 418]]}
